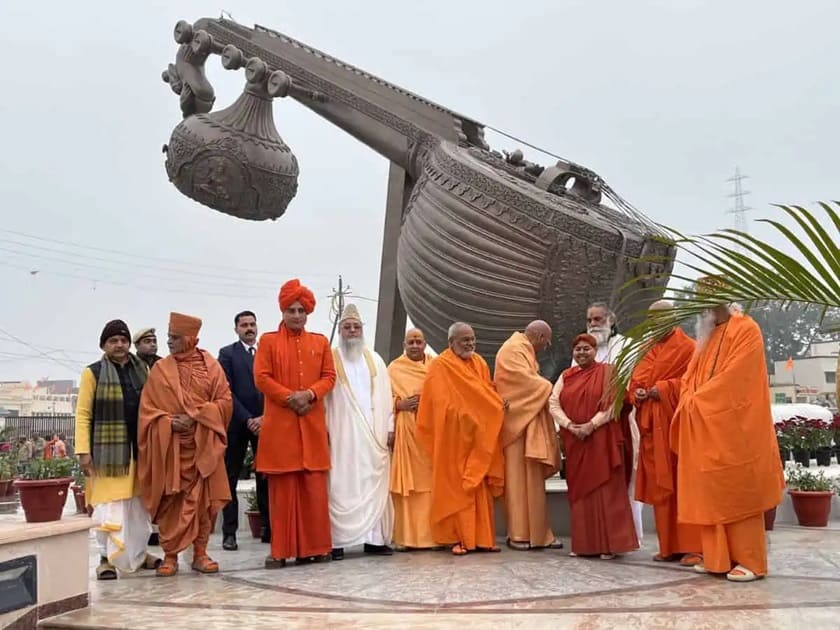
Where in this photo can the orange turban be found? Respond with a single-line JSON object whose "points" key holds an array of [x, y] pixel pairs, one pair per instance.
{"points": [[586, 338], [293, 291], [184, 325]]}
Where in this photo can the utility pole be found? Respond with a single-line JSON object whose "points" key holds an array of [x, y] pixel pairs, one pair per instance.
{"points": [[337, 304], [739, 209]]}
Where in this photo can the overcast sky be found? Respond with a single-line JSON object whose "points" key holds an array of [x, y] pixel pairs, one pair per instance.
{"points": [[662, 98]]}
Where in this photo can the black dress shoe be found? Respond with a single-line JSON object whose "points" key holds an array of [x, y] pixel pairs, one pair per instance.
{"points": [[265, 535], [229, 543], [154, 540], [338, 553], [379, 550]]}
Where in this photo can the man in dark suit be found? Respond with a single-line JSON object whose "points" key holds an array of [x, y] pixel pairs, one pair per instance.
{"points": [[237, 361]]}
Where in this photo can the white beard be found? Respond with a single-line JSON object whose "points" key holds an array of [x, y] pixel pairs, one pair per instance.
{"points": [[602, 335], [353, 348], [703, 328]]}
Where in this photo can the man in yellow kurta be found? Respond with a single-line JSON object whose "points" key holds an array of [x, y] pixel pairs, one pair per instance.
{"points": [[411, 470], [528, 437], [106, 446]]}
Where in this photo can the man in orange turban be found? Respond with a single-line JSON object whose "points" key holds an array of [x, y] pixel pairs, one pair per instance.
{"points": [[728, 469], [184, 413], [294, 369]]}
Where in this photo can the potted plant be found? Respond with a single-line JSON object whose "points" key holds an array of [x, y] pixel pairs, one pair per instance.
{"points": [[43, 488], [78, 489], [823, 434], [784, 439], [247, 464], [810, 494], [253, 514], [7, 474]]}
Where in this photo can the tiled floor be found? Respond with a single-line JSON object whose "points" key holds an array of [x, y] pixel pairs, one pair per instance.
{"points": [[512, 589]]}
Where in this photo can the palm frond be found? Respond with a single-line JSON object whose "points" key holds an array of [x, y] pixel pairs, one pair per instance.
{"points": [[753, 270]]}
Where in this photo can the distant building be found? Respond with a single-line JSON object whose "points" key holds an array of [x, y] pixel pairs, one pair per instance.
{"points": [[46, 398], [812, 379]]}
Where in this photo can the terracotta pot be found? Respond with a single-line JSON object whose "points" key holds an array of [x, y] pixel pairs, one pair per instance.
{"points": [[6, 487], [79, 496], [812, 508], [255, 523], [43, 499], [769, 519]]}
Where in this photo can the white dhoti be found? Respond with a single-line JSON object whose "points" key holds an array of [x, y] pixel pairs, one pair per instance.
{"points": [[122, 532], [359, 418]]}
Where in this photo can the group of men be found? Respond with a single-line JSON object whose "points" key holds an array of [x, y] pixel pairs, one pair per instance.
{"points": [[352, 453]]}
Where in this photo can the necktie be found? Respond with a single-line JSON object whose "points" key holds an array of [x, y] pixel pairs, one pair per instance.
{"points": [[252, 350]]}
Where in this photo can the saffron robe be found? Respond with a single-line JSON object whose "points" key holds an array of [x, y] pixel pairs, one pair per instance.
{"points": [[411, 470], [458, 424], [294, 450], [182, 475], [359, 418], [528, 439], [656, 476], [728, 468], [602, 520]]}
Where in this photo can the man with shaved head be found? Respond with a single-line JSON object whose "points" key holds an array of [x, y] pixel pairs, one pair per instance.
{"points": [[528, 437], [411, 470], [459, 420], [655, 392]]}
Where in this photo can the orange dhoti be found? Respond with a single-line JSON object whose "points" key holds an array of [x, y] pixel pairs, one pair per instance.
{"points": [[525, 504], [300, 517], [473, 526]]}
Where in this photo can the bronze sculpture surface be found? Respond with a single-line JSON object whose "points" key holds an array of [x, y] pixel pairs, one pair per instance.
{"points": [[470, 234]]}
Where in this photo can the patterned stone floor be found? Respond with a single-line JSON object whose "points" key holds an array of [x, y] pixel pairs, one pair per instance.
{"points": [[507, 590]]}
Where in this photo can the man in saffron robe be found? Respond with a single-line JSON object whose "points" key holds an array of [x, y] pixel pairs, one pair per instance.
{"points": [[602, 521], [411, 470], [528, 437], [360, 420], [655, 392], [728, 468], [294, 369], [458, 424], [184, 414]]}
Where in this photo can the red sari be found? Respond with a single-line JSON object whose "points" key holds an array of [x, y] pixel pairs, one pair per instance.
{"points": [[602, 521]]}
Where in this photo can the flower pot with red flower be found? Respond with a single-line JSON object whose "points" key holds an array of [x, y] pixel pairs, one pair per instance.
{"points": [[253, 514], [43, 487], [810, 493], [78, 489]]}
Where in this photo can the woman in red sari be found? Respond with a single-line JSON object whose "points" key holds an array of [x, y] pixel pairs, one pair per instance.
{"points": [[602, 521]]}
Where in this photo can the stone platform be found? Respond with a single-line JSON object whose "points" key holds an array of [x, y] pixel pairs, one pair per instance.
{"points": [[546, 589]]}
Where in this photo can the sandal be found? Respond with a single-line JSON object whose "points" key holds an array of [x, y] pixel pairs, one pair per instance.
{"points": [[691, 560], [168, 567], [699, 568], [458, 550], [151, 562], [518, 545], [660, 558], [106, 571], [489, 549], [742, 574], [607, 556], [203, 564]]}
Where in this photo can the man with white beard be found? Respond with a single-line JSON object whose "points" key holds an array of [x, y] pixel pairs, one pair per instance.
{"points": [[601, 323], [360, 421]]}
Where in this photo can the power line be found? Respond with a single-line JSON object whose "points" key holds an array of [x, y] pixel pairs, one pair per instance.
{"points": [[64, 364]]}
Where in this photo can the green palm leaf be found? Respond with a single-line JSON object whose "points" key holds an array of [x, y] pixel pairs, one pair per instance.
{"points": [[754, 271]]}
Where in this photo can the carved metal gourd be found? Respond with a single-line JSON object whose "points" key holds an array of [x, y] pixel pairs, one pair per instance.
{"points": [[470, 234]]}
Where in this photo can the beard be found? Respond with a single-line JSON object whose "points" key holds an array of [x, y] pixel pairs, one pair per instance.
{"points": [[601, 333], [353, 348], [703, 328]]}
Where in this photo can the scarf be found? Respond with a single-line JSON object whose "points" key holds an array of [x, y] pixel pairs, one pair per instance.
{"points": [[111, 441]]}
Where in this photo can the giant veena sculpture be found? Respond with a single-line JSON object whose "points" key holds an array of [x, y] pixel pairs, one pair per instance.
{"points": [[470, 234]]}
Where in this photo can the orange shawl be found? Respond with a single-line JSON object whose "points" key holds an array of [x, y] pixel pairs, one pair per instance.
{"points": [[519, 382], [411, 470], [458, 423], [158, 465], [728, 466]]}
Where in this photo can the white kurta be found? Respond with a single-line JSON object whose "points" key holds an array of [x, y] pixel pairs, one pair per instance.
{"points": [[608, 353], [359, 418]]}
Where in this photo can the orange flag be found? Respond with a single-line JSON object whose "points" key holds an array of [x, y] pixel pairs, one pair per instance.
{"points": [[789, 364]]}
